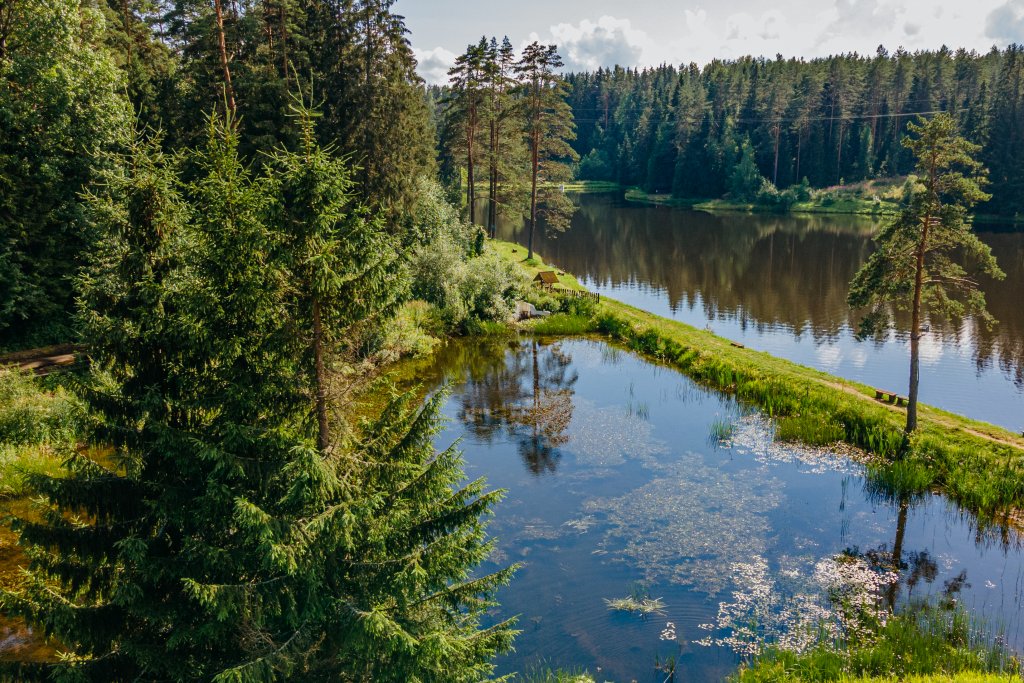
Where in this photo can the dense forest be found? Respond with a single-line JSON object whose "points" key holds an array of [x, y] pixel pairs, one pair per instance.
{"points": [[725, 128], [232, 209], [241, 214], [76, 78]]}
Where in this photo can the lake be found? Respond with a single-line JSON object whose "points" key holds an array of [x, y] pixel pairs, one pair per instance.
{"points": [[778, 283], [624, 477]]}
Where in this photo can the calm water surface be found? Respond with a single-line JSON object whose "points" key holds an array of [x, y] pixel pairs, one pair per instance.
{"points": [[617, 477], [779, 284]]}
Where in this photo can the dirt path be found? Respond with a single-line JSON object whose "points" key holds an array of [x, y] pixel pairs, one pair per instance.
{"points": [[946, 422], [45, 360]]}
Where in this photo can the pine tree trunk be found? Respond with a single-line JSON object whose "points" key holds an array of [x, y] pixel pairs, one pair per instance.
{"points": [[229, 92], [799, 145], [125, 10], [839, 156], [284, 41], [535, 161], [915, 329], [492, 199], [323, 431], [915, 322], [471, 188], [775, 175]]}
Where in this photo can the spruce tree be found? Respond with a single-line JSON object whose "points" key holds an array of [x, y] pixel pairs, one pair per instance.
{"points": [[916, 266], [217, 542], [345, 265]]}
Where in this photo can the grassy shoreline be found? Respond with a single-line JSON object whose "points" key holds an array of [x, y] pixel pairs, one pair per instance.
{"points": [[845, 207], [842, 206], [979, 465]]}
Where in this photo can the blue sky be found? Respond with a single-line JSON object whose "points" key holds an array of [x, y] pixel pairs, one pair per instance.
{"points": [[592, 33]]}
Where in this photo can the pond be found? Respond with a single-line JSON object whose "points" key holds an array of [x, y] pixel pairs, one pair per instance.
{"points": [[624, 477], [778, 283]]}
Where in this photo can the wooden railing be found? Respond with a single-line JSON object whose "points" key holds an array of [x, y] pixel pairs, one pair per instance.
{"points": [[577, 293]]}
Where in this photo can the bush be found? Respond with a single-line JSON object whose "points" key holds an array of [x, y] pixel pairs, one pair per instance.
{"points": [[580, 307], [463, 286], [31, 416]]}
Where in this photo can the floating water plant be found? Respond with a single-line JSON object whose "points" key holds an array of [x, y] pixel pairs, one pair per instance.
{"points": [[643, 606], [638, 602]]}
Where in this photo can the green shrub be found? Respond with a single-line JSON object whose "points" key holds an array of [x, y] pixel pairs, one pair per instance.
{"points": [[31, 416], [579, 306]]}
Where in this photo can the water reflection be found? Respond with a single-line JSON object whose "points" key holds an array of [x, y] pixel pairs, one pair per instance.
{"points": [[612, 484], [779, 283], [528, 398]]}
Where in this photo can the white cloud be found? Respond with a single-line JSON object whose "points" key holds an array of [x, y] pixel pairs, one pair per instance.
{"points": [[1006, 22], [434, 64], [589, 45]]}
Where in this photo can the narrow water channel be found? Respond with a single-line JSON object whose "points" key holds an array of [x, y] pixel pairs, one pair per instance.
{"points": [[779, 284], [624, 477]]}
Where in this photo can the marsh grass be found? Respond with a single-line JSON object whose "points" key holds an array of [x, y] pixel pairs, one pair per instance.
{"points": [[922, 640], [809, 429], [542, 673], [721, 432], [564, 324], [643, 606]]}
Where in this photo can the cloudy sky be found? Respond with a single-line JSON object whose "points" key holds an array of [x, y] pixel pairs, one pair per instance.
{"points": [[593, 33]]}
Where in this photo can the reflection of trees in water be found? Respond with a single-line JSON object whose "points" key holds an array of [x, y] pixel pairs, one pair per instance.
{"points": [[529, 395], [766, 270]]}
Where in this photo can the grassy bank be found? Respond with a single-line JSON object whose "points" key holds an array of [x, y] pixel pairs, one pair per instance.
{"points": [[846, 204], [926, 643], [977, 464]]}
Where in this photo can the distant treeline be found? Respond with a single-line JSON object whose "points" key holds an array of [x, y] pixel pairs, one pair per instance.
{"points": [[832, 120]]}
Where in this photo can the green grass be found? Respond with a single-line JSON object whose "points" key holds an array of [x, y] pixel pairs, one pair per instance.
{"points": [[933, 643], [563, 324], [978, 464], [544, 674], [36, 424]]}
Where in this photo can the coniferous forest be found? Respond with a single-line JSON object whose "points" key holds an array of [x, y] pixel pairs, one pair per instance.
{"points": [[239, 238], [691, 130]]}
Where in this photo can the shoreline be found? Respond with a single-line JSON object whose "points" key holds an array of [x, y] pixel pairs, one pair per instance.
{"points": [[979, 465], [841, 207]]}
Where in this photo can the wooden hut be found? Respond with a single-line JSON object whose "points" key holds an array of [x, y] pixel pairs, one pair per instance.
{"points": [[546, 279]]}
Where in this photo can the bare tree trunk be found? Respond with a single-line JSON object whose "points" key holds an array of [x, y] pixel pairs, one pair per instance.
{"points": [[229, 91], [284, 41], [778, 134], [323, 435], [799, 144], [915, 331], [492, 198], [535, 161], [471, 188], [125, 11]]}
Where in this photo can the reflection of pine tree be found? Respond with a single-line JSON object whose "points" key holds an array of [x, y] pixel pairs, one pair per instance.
{"points": [[530, 395]]}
